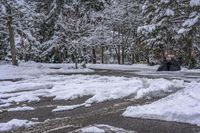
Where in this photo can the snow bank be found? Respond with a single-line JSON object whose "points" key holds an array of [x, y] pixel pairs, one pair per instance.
{"points": [[62, 87], [100, 88], [183, 106], [103, 88], [13, 124], [157, 87]]}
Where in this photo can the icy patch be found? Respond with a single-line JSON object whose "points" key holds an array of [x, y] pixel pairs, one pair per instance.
{"points": [[25, 108], [183, 106], [101, 128], [14, 124]]}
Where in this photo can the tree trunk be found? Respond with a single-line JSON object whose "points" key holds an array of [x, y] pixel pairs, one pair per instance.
{"points": [[76, 62], [76, 59], [123, 54], [118, 54], [12, 41], [84, 54], [132, 58], [102, 54], [137, 58], [94, 56], [190, 59]]}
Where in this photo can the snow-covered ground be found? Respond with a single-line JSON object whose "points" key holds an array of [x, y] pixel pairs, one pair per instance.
{"points": [[182, 106], [33, 70], [38, 80], [100, 88]]}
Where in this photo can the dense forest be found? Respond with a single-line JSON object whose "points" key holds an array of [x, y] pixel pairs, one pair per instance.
{"points": [[100, 31]]}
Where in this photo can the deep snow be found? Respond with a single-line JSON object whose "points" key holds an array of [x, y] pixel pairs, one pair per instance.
{"points": [[182, 106]]}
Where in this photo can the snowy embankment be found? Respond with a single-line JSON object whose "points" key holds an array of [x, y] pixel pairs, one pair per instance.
{"points": [[182, 106]]}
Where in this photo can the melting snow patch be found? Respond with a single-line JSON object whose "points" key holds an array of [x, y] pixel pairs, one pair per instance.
{"points": [[5, 105], [14, 124], [92, 129], [21, 109], [101, 128], [183, 106], [65, 108]]}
